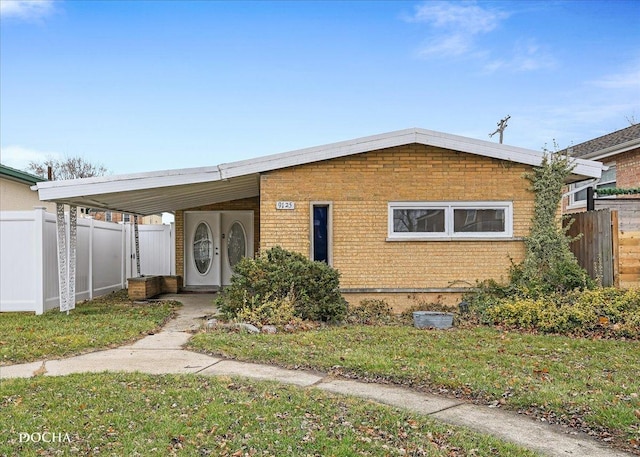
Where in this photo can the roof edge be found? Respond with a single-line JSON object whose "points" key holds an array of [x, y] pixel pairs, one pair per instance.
{"points": [[426, 137], [613, 150], [19, 175]]}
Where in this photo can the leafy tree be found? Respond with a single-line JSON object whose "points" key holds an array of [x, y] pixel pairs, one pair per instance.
{"points": [[67, 168]]}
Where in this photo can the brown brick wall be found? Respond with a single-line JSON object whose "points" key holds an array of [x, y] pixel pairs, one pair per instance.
{"points": [[144, 287], [628, 169], [150, 286], [627, 176], [118, 217], [400, 302], [360, 188], [246, 204]]}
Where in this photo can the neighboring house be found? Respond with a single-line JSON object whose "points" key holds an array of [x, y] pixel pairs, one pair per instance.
{"points": [[411, 214], [115, 216], [620, 151], [16, 193], [616, 253]]}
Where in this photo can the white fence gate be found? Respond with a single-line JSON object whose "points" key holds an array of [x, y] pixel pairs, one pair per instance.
{"points": [[105, 258], [157, 250]]}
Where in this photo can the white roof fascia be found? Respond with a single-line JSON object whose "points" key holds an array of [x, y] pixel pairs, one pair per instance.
{"points": [[83, 188], [51, 190], [318, 153], [525, 156], [583, 167]]}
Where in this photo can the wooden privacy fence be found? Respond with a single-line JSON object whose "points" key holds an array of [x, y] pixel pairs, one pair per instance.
{"points": [[609, 244], [628, 248], [595, 247]]}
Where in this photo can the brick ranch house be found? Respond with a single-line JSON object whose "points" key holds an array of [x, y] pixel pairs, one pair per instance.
{"points": [[410, 214]]}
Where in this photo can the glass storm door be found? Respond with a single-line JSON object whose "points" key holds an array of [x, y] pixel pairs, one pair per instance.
{"points": [[237, 240], [202, 248]]}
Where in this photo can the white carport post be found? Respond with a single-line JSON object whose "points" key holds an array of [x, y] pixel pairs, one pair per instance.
{"points": [[136, 235], [67, 257]]}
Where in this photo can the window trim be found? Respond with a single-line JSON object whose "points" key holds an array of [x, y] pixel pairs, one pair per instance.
{"points": [[449, 208], [329, 206], [573, 203]]}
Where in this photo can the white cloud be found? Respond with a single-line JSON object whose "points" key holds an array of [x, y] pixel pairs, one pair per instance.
{"points": [[19, 157], [624, 80], [454, 45], [526, 56], [26, 9], [455, 25]]}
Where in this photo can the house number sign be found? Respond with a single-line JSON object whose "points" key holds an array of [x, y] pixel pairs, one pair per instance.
{"points": [[286, 205]]}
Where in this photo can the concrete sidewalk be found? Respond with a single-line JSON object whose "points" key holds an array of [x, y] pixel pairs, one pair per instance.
{"points": [[164, 353]]}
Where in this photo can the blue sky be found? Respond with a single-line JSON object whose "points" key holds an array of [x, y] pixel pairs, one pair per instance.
{"points": [[151, 85]]}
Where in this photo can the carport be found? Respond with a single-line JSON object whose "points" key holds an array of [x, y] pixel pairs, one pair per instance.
{"points": [[140, 194]]}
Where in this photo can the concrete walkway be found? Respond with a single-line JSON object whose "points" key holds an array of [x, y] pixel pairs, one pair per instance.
{"points": [[163, 353]]}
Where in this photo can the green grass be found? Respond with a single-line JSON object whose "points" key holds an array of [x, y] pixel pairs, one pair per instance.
{"points": [[137, 414], [584, 383], [107, 321]]}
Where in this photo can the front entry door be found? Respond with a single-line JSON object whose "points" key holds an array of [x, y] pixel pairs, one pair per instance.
{"points": [[202, 248], [214, 242], [237, 240]]}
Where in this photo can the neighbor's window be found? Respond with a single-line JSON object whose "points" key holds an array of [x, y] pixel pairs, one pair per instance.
{"points": [[607, 181], [415, 220]]}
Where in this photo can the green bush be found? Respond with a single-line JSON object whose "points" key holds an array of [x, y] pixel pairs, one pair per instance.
{"points": [[604, 312], [270, 311], [485, 295], [370, 312], [277, 274], [561, 277]]}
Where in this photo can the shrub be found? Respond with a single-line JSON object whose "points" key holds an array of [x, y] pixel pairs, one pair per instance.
{"points": [[270, 311], [607, 312], [485, 295], [276, 274], [370, 312]]}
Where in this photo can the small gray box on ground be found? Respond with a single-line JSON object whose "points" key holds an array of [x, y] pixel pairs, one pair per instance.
{"points": [[432, 319]]}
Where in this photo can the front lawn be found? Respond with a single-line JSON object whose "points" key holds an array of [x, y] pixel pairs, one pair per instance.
{"points": [[107, 321], [137, 414], [589, 384]]}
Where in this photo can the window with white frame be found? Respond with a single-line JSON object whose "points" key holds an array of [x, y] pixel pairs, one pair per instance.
{"points": [[450, 220], [607, 181]]}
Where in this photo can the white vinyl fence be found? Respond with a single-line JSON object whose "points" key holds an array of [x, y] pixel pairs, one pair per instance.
{"points": [[105, 258]]}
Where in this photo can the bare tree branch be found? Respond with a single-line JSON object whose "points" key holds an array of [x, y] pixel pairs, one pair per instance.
{"points": [[67, 168]]}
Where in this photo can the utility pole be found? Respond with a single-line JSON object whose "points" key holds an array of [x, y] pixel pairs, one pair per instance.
{"points": [[501, 126]]}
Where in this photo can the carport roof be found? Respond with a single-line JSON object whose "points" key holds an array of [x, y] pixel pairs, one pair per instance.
{"points": [[171, 190]]}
